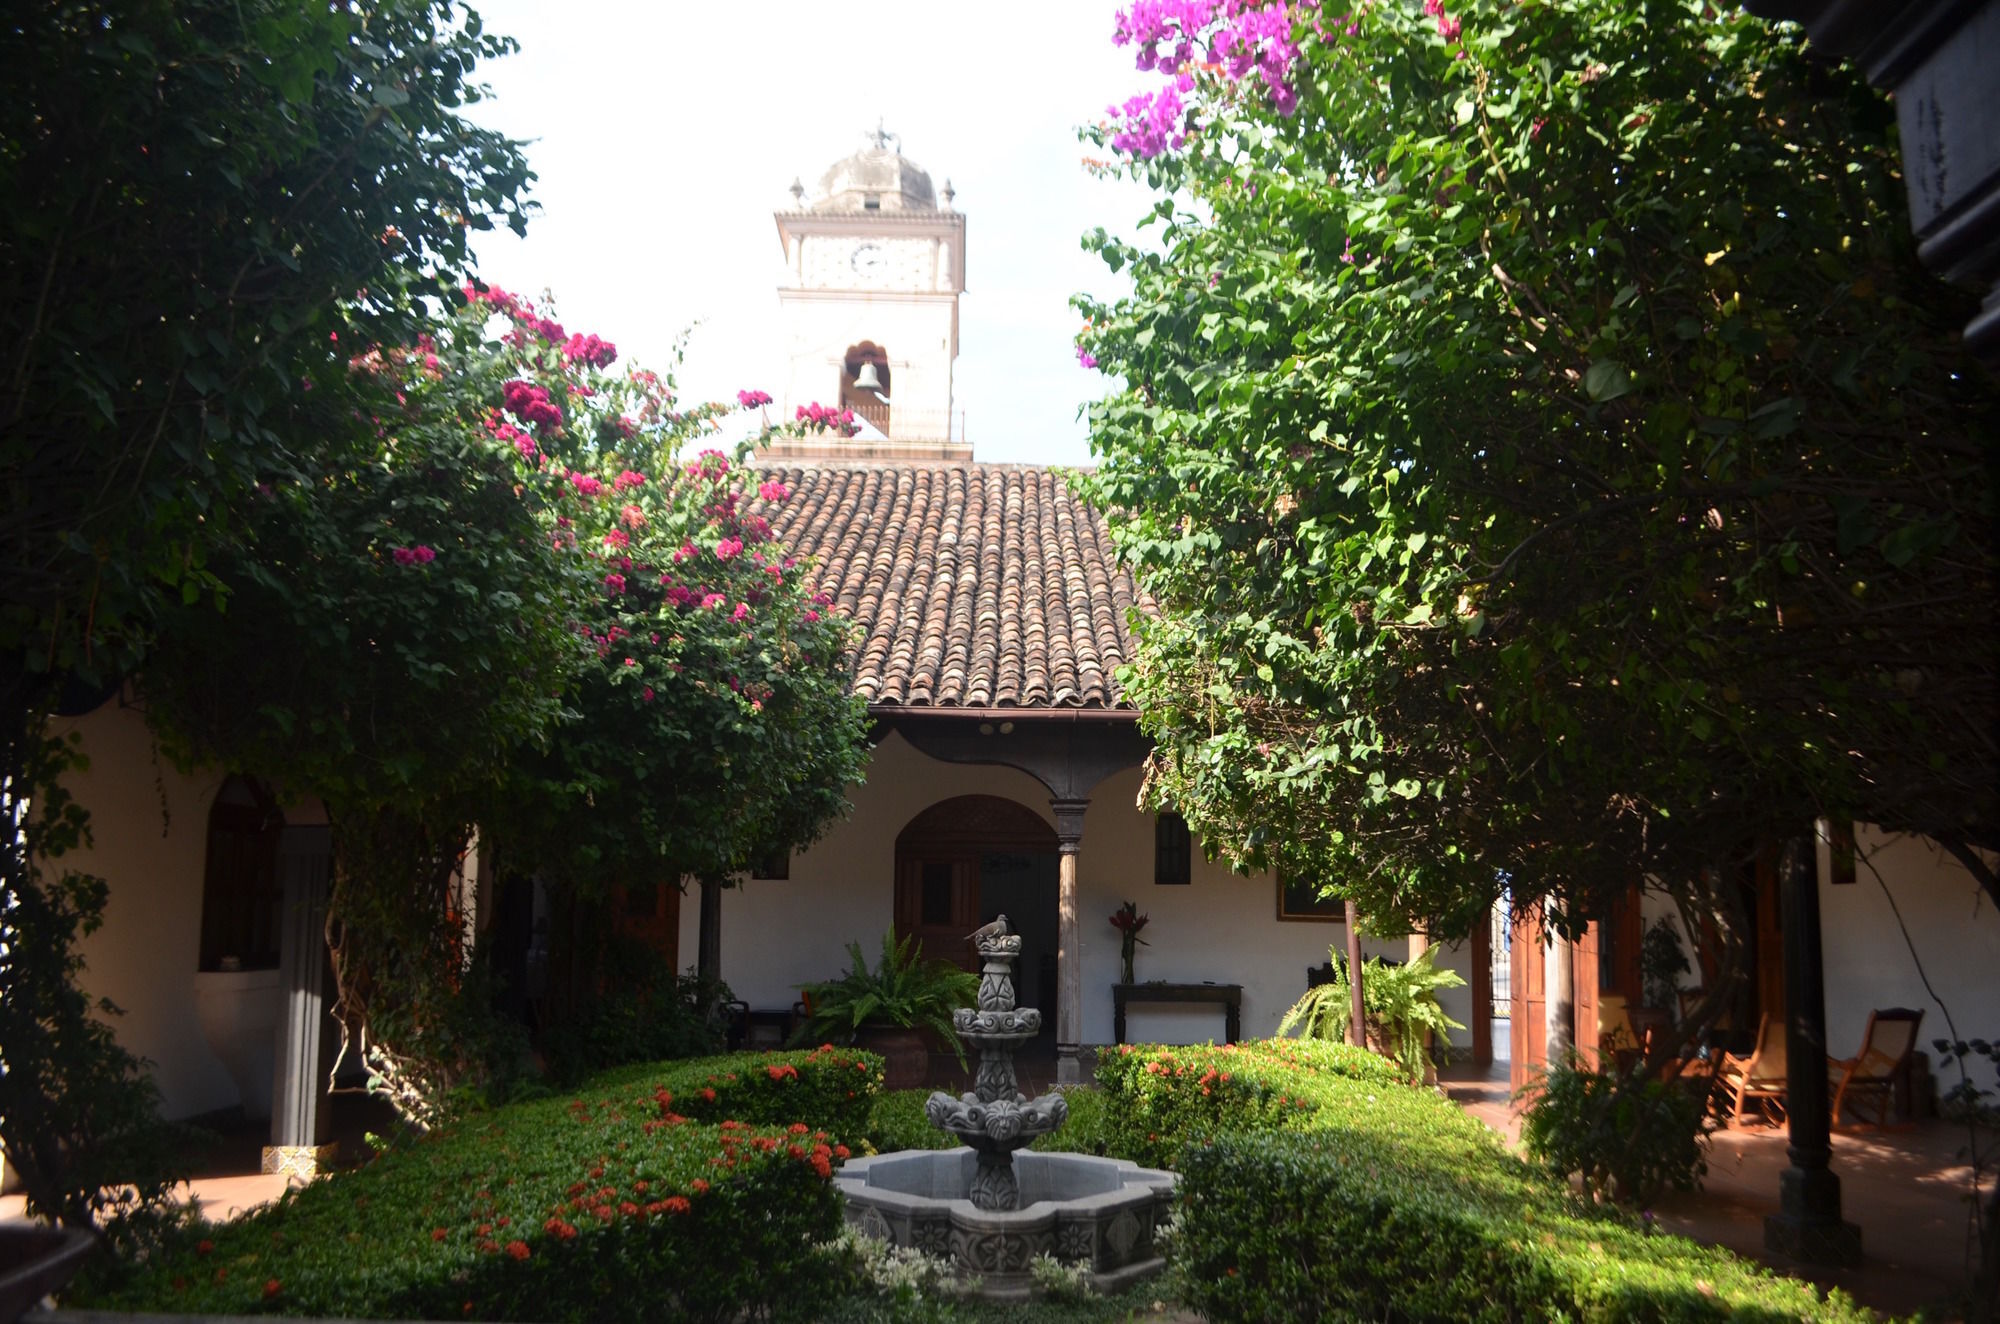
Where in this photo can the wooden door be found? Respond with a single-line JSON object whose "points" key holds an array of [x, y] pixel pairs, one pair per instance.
{"points": [[1528, 1026], [1583, 993], [652, 914], [937, 902]]}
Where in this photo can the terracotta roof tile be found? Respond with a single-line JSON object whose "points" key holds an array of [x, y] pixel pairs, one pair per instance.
{"points": [[975, 585]]}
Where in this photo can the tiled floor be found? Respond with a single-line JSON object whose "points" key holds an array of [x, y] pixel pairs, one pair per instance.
{"points": [[1906, 1189]]}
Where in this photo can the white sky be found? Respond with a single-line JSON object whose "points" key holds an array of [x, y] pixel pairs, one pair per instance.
{"points": [[665, 134]]}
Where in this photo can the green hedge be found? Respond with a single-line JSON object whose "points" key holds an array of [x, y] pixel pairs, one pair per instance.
{"points": [[1314, 1187], [687, 1191], [1168, 1100]]}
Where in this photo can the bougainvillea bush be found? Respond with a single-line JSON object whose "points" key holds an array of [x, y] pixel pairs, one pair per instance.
{"points": [[1316, 1186], [690, 1191], [522, 593], [1560, 384]]}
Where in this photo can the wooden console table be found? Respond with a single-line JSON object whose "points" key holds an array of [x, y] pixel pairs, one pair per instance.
{"points": [[1227, 996]]}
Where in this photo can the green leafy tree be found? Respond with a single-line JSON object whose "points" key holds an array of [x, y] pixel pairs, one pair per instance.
{"points": [[193, 187], [1552, 465], [506, 602]]}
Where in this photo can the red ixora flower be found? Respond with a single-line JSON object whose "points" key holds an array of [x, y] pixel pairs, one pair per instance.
{"points": [[272, 1287]]}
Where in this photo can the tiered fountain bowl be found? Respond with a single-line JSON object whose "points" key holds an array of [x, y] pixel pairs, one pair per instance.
{"points": [[989, 1207]]}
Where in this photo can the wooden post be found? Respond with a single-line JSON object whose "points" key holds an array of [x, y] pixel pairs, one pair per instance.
{"points": [[1069, 950], [708, 949], [1559, 990], [1808, 1225], [1357, 1019]]}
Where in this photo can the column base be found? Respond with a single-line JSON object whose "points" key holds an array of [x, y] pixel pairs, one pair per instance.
{"points": [[299, 1162], [1813, 1241], [1069, 1064]]}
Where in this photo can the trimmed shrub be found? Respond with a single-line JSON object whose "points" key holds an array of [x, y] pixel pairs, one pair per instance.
{"points": [[834, 1089], [1338, 1193], [1629, 1138], [646, 1195], [898, 1122], [1170, 1099], [1084, 1132]]}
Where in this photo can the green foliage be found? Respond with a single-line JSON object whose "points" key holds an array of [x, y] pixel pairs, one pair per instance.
{"points": [[195, 187], [1086, 1130], [642, 1011], [1380, 1201], [1550, 461], [1160, 1103], [648, 1194], [79, 1116], [1399, 1001], [898, 1122], [1630, 1138], [472, 567], [903, 990], [1662, 962]]}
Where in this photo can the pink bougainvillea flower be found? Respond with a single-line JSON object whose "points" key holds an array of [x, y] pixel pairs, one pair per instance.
{"points": [[632, 515], [752, 399], [742, 612], [423, 554], [405, 556], [615, 583], [629, 478], [773, 490], [585, 485], [713, 600], [728, 548]]}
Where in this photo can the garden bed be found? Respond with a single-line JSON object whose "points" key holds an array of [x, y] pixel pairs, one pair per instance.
{"points": [[682, 1190], [1316, 1187]]}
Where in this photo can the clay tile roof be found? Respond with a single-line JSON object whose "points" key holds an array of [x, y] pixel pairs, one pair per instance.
{"points": [[974, 585]]}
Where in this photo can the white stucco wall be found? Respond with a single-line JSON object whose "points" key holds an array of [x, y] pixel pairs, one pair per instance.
{"points": [[1952, 925], [1220, 927], [149, 828]]}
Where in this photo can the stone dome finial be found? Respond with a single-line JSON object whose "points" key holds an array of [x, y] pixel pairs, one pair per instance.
{"points": [[876, 178]]}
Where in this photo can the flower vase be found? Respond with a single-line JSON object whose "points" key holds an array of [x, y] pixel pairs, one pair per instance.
{"points": [[1126, 957]]}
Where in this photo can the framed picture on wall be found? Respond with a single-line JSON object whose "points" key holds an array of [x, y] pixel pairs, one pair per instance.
{"points": [[1299, 899]]}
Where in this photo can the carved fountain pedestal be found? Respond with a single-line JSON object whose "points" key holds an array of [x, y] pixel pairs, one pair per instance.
{"points": [[989, 1206]]}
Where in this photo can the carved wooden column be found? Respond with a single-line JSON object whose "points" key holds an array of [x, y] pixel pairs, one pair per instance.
{"points": [[1808, 1225], [298, 1145], [1069, 951], [708, 947]]}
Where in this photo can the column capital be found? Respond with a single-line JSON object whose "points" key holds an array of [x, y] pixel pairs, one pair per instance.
{"points": [[1069, 824]]}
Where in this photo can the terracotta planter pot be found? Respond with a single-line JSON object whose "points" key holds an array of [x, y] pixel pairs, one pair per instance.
{"points": [[906, 1058], [35, 1261]]}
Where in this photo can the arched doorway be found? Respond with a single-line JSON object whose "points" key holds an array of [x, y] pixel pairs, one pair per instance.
{"points": [[964, 860]]}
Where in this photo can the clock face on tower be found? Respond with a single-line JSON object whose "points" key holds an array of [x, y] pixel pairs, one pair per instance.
{"points": [[868, 260]]}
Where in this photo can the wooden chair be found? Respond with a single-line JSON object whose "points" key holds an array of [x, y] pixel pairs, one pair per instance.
{"points": [[1759, 1077], [1871, 1074]]}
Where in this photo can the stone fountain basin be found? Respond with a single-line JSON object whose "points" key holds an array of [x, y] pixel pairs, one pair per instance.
{"points": [[1075, 1207]]}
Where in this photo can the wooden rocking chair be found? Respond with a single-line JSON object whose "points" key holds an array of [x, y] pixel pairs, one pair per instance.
{"points": [[1870, 1076], [1759, 1078]]}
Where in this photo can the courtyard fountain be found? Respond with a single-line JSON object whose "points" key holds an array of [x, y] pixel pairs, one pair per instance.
{"points": [[989, 1205]]}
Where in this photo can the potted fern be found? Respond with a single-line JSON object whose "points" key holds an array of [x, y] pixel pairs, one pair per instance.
{"points": [[1399, 1001], [889, 1009]]}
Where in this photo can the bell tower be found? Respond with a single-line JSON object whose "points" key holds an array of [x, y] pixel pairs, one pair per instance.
{"points": [[869, 307]]}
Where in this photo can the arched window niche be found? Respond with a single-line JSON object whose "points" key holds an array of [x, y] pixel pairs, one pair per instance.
{"points": [[241, 892]]}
